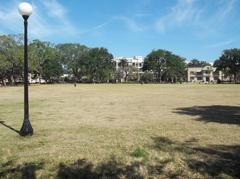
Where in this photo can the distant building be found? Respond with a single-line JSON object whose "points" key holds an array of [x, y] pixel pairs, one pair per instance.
{"points": [[33, 80], [204, 74], [136, 61]]}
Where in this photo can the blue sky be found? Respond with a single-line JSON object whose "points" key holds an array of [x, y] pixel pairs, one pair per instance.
{"points": [[190, 28]]}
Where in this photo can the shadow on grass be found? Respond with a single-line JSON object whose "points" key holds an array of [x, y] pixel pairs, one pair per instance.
{"points": [[9, 127], [111, 169], [25, 171], [215, 113], [213, 160], [84, 169]]}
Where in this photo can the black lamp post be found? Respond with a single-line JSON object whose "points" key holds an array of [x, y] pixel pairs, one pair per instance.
{"points": [[25, 10]]}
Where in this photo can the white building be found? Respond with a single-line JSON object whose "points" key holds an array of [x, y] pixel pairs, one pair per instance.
{"points": [[136, 61], [204, 74], [35, 80]]}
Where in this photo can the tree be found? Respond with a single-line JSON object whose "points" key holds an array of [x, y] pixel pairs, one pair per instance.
{"points": [[100, 65], [74, 58], [52, 70], [229, 63], [123, 70], [198, 63], [147, 77], [175, 69], [123, 63], [12, 57], [165, 65], [156, 62], [132, 74], [4, 69], [39, 53]]}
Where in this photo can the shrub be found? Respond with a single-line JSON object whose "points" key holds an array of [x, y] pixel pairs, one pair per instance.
{"points": [[147, 77]]}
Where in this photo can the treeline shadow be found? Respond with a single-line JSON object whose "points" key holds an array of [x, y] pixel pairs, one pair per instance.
{"points": [[215, 113], [25, 171], [211, 161]]}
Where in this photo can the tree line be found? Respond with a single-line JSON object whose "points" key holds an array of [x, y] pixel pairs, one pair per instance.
{"points": [[48, 62]]}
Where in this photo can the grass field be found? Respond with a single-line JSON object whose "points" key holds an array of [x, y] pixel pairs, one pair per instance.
{"points": [[122, 131]]}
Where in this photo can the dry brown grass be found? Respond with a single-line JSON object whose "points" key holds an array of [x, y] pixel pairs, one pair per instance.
{"points": [[186, 130]]}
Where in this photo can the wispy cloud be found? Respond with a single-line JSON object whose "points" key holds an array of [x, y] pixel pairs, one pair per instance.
{"points": [[214, 23], [40, 27], [184, 11], [9, 18], [130, 23], [55, 9], [220, 44], [226, 8], [99, 26], [194, 13], [57, 23]]}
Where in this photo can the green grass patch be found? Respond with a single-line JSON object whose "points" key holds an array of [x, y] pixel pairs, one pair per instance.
{"points": [[140, 152]]}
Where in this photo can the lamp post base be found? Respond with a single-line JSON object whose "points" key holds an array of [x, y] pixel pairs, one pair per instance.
{"points": [[26, 129]]}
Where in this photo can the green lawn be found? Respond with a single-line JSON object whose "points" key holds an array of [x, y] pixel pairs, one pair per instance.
{"points": [[122, 131]]}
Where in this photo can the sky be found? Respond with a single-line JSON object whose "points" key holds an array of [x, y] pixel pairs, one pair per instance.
{"points": [[199, 29]]}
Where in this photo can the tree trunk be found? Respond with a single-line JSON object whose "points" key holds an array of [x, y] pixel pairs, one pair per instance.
{"points": [[235, 77], [14, 80], [126, 76], [3, 82], [12, 77], [11, 82], [159, 76]]}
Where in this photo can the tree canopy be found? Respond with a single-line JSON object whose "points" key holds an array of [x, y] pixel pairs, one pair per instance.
{"points": [[11, 58], [229, 63], [74, 59], [198, 63], [166, 66], [49, 62], [100, 65]]}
